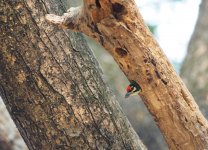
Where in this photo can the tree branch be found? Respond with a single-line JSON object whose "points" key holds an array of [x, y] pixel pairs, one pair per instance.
{"points": [[67, 20], [119, 27]]}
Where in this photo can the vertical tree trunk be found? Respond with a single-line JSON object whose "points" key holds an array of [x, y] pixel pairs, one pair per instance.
{"points": [[194, 70], [52, 86], [118, 26]]}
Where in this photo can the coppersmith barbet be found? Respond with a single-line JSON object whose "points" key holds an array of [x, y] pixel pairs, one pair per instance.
{"points": [[132, 89]]}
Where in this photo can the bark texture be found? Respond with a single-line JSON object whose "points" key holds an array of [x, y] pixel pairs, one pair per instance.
{"points": [[119, 27], [52, 85], [10, 139], [194, 70]]}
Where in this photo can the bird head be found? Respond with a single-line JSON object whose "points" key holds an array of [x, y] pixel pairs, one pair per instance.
{"points": [[132, 89]]}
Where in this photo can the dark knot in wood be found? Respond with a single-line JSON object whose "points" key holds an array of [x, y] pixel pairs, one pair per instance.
{"points": [[121, 52]]}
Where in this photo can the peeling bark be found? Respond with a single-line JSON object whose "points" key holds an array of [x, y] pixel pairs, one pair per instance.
{"points": [[118, 26], [52, 85]]}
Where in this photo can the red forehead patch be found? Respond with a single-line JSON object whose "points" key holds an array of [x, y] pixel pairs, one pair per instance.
{"points": [[128, 89]]}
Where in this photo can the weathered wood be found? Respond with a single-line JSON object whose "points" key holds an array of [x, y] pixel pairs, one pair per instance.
{"points": [[119, 27], [52, 85]]}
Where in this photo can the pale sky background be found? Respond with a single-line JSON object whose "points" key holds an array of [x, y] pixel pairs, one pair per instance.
{"points": [[175, 20]]}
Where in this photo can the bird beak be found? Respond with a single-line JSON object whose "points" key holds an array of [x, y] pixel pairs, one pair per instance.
{"points": [[128, 94]]}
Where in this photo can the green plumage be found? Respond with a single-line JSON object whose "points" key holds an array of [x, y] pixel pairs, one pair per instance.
{"points": [[136, 85]]}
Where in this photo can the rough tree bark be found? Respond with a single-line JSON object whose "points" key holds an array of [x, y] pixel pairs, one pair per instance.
{"points": [[10, 139], [119, 27], [52, 86], [195, 66]]}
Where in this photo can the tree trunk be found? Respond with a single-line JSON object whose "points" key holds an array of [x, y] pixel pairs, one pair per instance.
{"points": [[195, 66], [118, 26], [52, 85], [10, 138]]}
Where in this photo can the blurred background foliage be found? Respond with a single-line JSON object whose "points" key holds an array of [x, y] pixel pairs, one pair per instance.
{"points": [[172, 23]]}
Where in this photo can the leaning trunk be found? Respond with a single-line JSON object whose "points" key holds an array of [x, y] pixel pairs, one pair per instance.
{"points": [[52, 86]]}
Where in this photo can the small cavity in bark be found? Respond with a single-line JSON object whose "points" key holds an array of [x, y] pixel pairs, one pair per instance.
{"points": [[121, 64], [121, 52], [128, 66], [118, 8], [98, 3], [164, 82], [153, 62], [157, 74]]}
